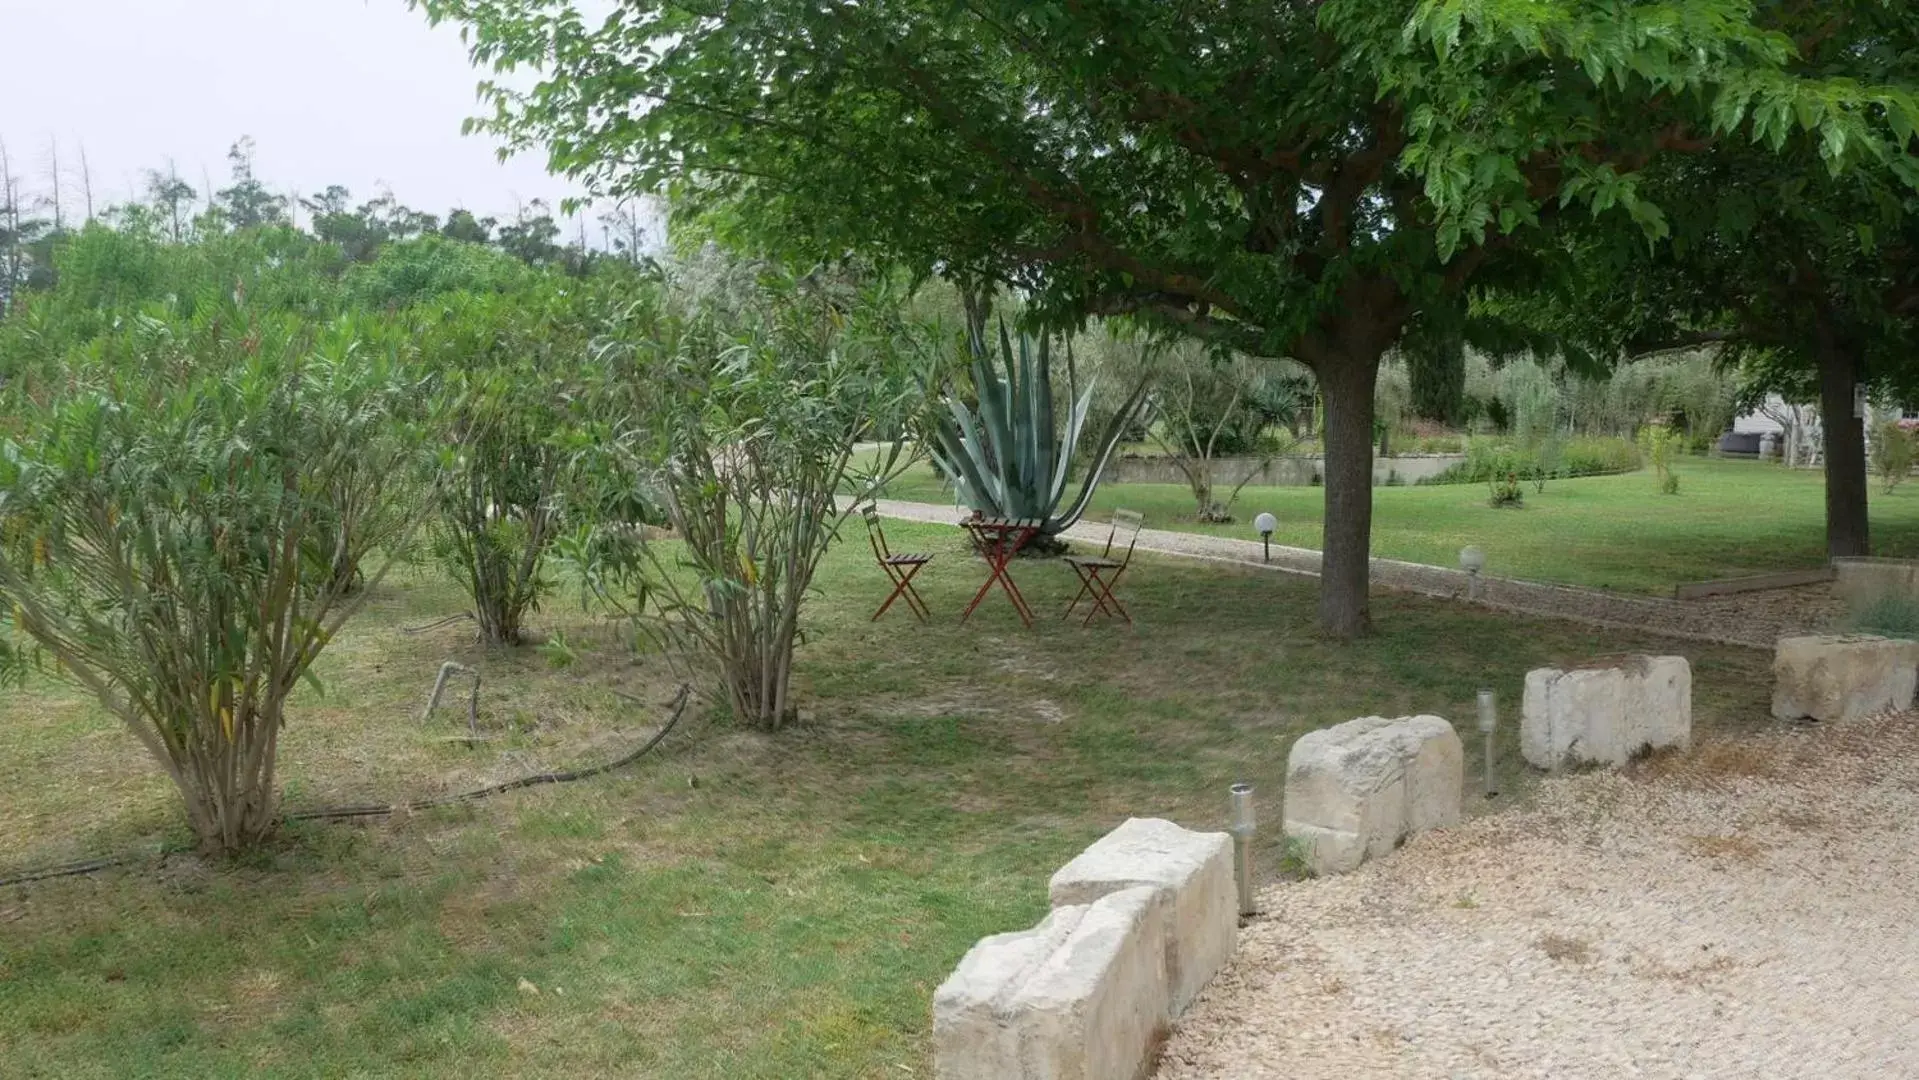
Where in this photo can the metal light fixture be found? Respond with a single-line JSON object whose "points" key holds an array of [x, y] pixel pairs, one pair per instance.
{"points": [[1472, 560], [1242, 831], [1265, 524], [1488, 724]]}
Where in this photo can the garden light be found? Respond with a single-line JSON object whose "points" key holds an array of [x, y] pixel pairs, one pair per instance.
{"points": [[1488, 723], [1266, 524], [1472, 560], [1242, 831]]}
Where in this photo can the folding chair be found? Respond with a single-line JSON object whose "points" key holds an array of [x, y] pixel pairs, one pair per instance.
{"points": [[1098, 576], [899, 568]]}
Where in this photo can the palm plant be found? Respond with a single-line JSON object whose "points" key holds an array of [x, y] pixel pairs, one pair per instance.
{"points": [[1012, 459]]}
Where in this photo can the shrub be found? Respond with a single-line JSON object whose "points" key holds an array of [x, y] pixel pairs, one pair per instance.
{"points": [[1890, 615], [1488, 458], [1014, 457], [744, 423], [513, 367], [1506, 491], [1661, 446], [178, 520], [1893, 453]]}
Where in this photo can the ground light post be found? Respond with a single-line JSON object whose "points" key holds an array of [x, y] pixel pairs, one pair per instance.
{"points": [[1488, 724], [1472, 560], [1266, 524], [1242, 831]]}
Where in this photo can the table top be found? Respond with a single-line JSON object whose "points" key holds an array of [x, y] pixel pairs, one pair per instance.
{"points": [[1001, 523]]}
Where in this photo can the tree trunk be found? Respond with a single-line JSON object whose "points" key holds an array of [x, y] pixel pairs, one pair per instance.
{"points": [[1847, 531], [1347, 383]]}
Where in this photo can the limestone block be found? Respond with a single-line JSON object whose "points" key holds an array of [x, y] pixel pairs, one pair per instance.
{"points": [[1082, 996], [1838, 677], [1193, 869], [1606, 712], [1861, 581], [1354, 791]]}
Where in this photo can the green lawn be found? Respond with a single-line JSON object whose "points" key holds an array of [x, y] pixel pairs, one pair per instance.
{"points": [[1610, 532], [737, 906]]}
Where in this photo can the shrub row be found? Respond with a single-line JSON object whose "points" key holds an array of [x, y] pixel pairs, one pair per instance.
{"points": [[1487, 457]]}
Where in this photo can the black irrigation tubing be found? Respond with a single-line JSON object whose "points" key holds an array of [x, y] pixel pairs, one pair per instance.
{"points": [[343, 813], [75, 869], [347, 813], [449, 620]]}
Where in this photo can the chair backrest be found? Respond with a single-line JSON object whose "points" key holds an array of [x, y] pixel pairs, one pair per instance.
{"points": [[1126, 525], [874, 533]]}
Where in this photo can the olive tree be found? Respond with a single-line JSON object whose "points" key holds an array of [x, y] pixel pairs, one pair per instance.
{"points": [[177, 517]]}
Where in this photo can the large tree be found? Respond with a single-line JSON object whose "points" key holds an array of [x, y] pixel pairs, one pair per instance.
{"points": [[1285, 177], [1809, 273]]}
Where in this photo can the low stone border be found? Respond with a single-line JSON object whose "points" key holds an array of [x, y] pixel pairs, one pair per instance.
{"points": [[1141, 921], [1357, 790], [1606, 712], [1842, 676], [1862, 580]]}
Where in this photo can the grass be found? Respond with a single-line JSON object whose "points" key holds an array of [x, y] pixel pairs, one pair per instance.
{"points": [[1609, 532], [738, 905]]}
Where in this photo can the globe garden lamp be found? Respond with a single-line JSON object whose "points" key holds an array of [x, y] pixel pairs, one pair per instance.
{"points": [[1266, 524], [1472, 560], [1488, 724]]}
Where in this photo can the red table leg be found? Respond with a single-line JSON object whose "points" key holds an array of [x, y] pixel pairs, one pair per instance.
{"points": [[1005, 545]]}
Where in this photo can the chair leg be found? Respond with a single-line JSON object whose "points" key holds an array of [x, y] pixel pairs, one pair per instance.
{"points": [[1104, 600], [913, 598], [1078, 596], [902, 584]]}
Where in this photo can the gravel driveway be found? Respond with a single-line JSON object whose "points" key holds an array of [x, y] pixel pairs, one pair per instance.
{"points": [[1750, 909]]}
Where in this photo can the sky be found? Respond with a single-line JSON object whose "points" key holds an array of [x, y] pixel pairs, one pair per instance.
{"points": [[361, 93]]}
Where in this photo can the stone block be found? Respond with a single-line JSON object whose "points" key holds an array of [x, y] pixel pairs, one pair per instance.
{"points": [[1605, 712], [1356, 790], [1195, 872], [1082, 996], [1862, 581], [1838, 677]]}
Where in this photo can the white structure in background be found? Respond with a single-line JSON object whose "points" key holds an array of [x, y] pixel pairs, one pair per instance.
{"points": [[1796, 432], [1794, 429]]}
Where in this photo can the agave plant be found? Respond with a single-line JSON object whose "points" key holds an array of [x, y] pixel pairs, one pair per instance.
{"points": [[1011, 459]]}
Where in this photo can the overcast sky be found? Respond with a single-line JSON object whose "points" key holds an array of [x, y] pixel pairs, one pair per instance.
{"points": [[356, 92]]}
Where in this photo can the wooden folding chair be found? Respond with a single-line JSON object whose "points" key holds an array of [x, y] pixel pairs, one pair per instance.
{"points": [[1098, 575], [899, 568]]}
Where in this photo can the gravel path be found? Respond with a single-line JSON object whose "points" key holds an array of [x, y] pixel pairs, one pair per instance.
{"points": [[1754, 619], [1750, 909]]}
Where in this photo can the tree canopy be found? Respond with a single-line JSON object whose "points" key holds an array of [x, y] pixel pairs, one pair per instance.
{"points": [[1291, 179]]}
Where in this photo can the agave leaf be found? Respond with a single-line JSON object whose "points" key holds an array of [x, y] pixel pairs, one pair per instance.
{"points": [[962, 458], [1075, 422], [1108, 440], [1044, 458], [1027, 477], [994, 421]]}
